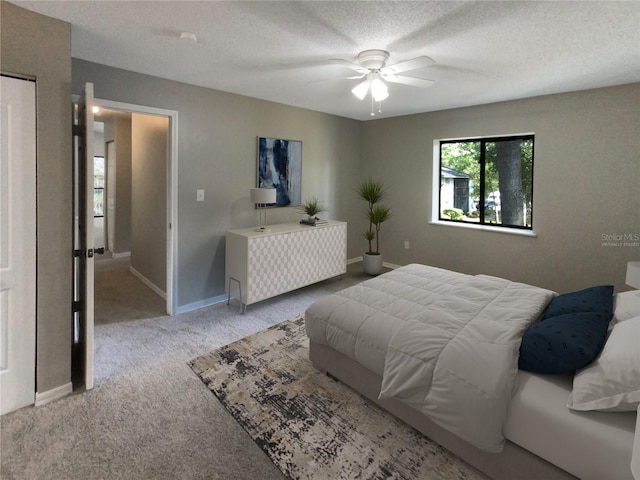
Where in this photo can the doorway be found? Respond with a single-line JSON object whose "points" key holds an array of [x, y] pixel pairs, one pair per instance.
{"points": [[151, 186], [164, 213], [130, 220]]}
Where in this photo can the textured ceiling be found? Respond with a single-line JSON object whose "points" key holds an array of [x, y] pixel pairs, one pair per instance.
{"points": [[484, 51]]}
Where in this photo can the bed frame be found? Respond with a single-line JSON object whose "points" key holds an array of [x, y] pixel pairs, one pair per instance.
{"points": [[513, 463]]}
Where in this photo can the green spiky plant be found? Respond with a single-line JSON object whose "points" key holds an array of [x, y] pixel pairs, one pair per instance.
{"points": [[312, 207], [373, 192]]}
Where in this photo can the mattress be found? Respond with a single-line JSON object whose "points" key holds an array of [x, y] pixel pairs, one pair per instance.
{"points": [[589, 445]]}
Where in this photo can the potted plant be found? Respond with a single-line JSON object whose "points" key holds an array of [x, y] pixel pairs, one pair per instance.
{"points": [[373, 192], [312, 207]]}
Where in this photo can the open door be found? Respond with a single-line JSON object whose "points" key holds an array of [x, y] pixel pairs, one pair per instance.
{"points": [[83, 243]]}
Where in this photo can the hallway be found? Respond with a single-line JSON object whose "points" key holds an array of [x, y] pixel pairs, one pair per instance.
{"points": [[120, 296]]}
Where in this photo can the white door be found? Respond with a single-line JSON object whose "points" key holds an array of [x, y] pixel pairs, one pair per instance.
{"points": [[17, 243]]}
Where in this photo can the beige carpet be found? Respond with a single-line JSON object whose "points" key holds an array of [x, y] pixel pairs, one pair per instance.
{"points": [[120, 296], [149, 417], [314, 427]]}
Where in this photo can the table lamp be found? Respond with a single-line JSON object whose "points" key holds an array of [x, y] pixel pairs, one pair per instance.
{"points": [[262, 197]]}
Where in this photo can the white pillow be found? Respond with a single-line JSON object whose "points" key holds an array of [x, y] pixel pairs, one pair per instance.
{"points": [[612, 381], [626, 305]]}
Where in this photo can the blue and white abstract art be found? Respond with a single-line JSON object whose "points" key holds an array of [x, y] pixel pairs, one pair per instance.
{"points": [[280, 167]]}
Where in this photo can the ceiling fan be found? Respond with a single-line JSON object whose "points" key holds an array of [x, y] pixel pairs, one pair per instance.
{"points": [[372, 68]]}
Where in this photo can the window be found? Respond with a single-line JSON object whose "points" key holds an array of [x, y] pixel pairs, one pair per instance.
{"points": [[487, 181], [98, 186]]}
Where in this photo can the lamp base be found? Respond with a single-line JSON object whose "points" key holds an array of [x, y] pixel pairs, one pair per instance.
{"points": [[262, 229]]}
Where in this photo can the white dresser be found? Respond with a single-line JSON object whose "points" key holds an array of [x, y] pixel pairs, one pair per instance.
{"points": [[262, 265]]}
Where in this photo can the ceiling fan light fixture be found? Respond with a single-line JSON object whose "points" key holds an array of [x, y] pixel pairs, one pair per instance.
{"points": [[379, 89], [372, 66], [361, 89]]}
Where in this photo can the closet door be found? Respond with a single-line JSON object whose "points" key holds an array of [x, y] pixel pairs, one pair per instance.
{"points": [[17, 243]]}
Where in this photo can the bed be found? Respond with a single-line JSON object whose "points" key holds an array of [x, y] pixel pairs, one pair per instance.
{"points": [[441, 350]]}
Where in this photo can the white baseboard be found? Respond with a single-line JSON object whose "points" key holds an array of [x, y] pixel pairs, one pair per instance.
{"points": [[201, 304], [54, 394], [384, 264], [120, 255], [390, 265], [148, 282]]}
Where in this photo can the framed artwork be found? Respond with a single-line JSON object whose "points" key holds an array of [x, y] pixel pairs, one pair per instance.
{"points": [[280, 167]]}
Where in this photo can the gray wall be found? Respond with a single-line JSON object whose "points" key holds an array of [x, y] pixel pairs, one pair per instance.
{"points": [[149, 197], [118, 130], [98, 144], [217, 153], [40, 47], [586, 174], [586, 177]]}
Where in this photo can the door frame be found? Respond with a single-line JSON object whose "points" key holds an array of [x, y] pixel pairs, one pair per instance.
{"points": [[172, 187]]}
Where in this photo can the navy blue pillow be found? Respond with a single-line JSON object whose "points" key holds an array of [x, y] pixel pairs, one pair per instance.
{"points": [[564, 343], [594, 299]]}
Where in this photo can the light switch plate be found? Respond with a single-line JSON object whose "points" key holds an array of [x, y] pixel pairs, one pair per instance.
{"points": [[200, 195]]}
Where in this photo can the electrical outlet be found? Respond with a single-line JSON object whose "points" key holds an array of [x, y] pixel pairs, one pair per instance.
{"points": [[200, 195], [406, 245]]}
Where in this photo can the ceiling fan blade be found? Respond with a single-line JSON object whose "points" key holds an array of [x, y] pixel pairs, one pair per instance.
{"points": [[412, 81], [413, 64], [355, 77], [351, 65]]}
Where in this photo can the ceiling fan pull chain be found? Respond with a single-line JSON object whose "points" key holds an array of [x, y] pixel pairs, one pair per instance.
{"points": [[372, 106]]}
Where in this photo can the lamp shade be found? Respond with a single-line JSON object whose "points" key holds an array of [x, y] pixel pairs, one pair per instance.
{"points": [[262, 195], [633, 274], [361, 90], [378, 89]]}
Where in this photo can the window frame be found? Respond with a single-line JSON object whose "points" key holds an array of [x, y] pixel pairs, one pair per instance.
{"points": [[481, 224]]}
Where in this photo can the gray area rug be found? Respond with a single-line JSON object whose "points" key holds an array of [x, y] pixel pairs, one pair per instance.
{"points": [[311, 426]]}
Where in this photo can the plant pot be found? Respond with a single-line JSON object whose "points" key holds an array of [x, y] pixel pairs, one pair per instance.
{"points": [[372, 263]]}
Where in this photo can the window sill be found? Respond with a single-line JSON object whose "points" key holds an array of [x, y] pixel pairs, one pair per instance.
{"points": [[486, 228]]}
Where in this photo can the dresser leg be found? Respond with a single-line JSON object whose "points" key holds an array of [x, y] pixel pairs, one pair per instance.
{"points": [[243, 306]]}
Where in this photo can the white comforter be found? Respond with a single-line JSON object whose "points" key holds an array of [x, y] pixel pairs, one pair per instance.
{"points": [[453, 345]]}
